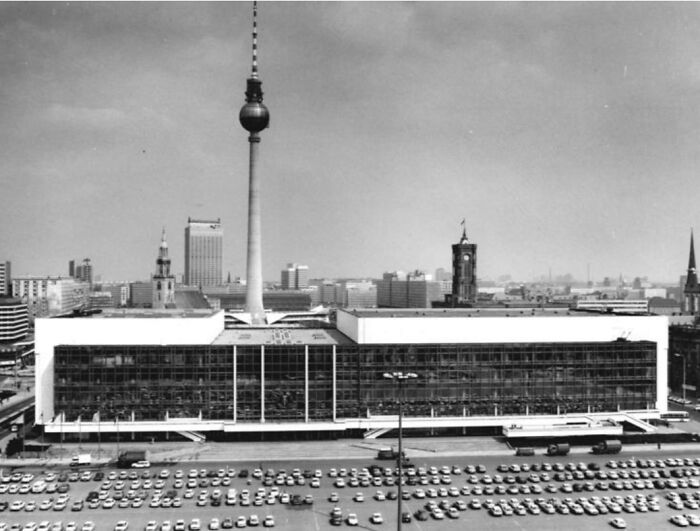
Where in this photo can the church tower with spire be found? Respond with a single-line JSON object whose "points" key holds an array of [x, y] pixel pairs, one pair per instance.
{"points": [[691, 291], [163, 281], [463, 270]]}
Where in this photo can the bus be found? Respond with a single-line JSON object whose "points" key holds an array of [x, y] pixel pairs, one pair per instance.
{"points": [[675, 416]]}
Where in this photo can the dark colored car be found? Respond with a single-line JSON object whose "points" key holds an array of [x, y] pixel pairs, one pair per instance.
{"points": [[406, 517], [421, 515]]}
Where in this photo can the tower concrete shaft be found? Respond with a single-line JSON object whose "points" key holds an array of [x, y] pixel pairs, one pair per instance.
{"points": [[254, 280]]}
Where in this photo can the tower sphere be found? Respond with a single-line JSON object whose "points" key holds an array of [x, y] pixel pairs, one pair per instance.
{"points": [[254, 117]]}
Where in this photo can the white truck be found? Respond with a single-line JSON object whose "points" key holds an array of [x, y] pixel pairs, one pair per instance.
{"points": [[81, 460]]}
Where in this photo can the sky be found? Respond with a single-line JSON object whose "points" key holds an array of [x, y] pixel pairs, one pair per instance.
{"points": [[567, 135]]}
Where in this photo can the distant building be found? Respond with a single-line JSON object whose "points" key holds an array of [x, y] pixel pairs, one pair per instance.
{"points": [[204, 252], [464, 289], [361, 294], [661, 306], [14, 320], [100, 299], [83, 271], [691, 290], [295, 276], [141, 294], [684, 360], [345, 293], [635, 306], [412, 290], [442, 274], [163, 282], [50, 295], [5, 279], [119, 292]]}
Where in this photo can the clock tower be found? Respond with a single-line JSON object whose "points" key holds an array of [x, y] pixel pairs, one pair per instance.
{"points": [[463, 271]]}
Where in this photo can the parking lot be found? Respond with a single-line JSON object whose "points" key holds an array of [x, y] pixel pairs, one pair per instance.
{"points": [[490, 492]]}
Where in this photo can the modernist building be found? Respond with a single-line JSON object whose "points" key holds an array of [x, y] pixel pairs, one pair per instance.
{"points": [[475, 368], [5, 279], [684, 360], [14, 320], [204, 241], [295, 276], [410, 290], [50, 295], [141, 294], [119, 291]]}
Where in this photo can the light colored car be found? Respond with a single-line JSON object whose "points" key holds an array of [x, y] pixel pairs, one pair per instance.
{"points": [[151, 525], [88, 526], [269, 521], [693, 519], [352, 519], [376, 518], [241, 521], [141, 464], [679, 520], [195, 524], [122, 525], [214, 523]]}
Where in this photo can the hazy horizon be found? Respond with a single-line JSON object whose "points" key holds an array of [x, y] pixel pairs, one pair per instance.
{"points": [[566, 134]]}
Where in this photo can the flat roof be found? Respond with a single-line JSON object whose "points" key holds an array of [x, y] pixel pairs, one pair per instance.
{"points": [[444, 313], [152, 314], [282, 336]]}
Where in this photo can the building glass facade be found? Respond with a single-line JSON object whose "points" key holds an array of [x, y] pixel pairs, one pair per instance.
{"points": [[224, 382]]}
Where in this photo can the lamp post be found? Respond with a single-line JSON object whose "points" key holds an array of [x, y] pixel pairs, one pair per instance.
{"points": [[400, 378], [676, 355]]}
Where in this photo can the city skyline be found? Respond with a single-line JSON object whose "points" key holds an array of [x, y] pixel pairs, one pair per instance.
{"points": [[565, 134]]}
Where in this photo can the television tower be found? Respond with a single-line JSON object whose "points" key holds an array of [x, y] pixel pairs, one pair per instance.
{"points": [[254, 117]]}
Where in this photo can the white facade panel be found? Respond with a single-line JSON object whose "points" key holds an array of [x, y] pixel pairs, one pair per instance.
{"points": [[112, 331]]}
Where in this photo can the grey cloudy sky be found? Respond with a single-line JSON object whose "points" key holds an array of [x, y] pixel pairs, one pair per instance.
{"points": [[565, 134]]}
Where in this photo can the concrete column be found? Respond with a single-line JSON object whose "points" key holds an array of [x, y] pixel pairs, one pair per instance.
{"points": [[254, 285], [306, 383], [262, 383], [334, 386], [235, 384]]}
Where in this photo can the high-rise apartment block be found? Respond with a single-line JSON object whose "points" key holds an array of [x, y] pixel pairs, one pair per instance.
{"points": [[81, 271], [295, 276], [5, 279], [203, 252]]}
